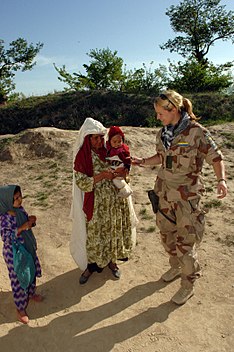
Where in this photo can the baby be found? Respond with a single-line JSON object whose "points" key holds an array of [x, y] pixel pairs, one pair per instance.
{"points": [[118, 155]]}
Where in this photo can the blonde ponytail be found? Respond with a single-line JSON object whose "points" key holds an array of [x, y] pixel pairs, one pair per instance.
{"points": [[188, 107]]}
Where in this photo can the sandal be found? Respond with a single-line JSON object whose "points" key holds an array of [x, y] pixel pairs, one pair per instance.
{"points": [[37, 298], [22, 316], [85, 276], [115, 270]]}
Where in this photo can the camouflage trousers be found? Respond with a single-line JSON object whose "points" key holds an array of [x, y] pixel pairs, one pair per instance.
{"points": [[180, 239]]}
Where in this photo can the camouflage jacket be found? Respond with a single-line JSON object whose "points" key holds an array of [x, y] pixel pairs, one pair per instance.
{"points": [[179, 176]]}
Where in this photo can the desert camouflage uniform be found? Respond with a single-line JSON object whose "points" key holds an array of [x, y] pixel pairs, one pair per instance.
{"points": [[179, 187]]}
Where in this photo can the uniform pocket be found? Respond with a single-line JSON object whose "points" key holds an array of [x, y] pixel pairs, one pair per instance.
{"points": [[186, 158], [198, 219]]}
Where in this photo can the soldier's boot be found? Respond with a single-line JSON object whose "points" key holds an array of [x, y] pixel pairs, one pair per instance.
{"points": [[184, 293], [171, 274]]}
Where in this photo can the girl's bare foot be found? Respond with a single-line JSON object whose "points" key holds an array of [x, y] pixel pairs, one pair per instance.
{"points": [[22, 316]]}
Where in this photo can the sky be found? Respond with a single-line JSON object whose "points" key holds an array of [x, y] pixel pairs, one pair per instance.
{"points": [[69, 29]]}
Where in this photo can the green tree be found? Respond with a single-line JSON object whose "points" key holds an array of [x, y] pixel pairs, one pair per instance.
{"points": [[105, 72], [203, 23], [18, 57], [145, 80], [193, 77]]}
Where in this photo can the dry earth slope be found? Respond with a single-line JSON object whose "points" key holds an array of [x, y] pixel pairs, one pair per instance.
{"points": [[133, 314]]}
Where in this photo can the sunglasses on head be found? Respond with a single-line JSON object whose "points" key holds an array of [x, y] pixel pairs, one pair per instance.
{"points": [[164, 97]]}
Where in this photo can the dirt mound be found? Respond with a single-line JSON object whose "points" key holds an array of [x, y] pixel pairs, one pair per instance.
{"points": [[31, 144], [133, 314]]}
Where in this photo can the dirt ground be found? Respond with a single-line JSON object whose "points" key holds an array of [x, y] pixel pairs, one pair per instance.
{"points": [[133, 314]]}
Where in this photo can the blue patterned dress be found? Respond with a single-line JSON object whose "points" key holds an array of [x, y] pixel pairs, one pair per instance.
{"points": [[8, 227]]}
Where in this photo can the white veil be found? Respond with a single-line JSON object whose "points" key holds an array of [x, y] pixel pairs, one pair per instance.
{"points": [[78, 234]]}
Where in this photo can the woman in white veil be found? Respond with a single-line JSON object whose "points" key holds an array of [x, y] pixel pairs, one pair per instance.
{"points": [[104, 225]]}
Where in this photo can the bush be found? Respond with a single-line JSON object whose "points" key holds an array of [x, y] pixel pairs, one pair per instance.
{"points": [[69, 110]]}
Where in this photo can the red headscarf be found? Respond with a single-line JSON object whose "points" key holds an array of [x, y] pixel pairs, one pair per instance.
{"points": [[83, 163], [113, 131]]}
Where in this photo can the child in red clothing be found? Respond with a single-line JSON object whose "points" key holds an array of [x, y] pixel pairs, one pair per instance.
{"points": [[119, 156]]}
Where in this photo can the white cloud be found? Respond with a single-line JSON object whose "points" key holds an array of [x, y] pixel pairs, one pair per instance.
{"points": [[43, 60], [71, 63]]}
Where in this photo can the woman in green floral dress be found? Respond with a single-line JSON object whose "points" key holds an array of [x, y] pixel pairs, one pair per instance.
{"points": [[103, 223]]}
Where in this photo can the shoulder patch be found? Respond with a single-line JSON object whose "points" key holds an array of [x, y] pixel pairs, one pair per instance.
{"points": [[210, 141]]}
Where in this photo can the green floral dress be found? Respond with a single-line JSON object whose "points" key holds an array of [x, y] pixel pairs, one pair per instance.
{"points": [[109, 230]]}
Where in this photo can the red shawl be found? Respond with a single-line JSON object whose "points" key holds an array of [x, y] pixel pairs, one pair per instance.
{"points": [[83, 163]]}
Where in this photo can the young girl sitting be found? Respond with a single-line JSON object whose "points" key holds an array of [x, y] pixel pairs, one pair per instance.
{"points": [[119, 156], [15, 222]]}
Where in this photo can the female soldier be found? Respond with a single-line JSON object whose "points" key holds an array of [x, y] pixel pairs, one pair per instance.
{"points": [[182, 145]]}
